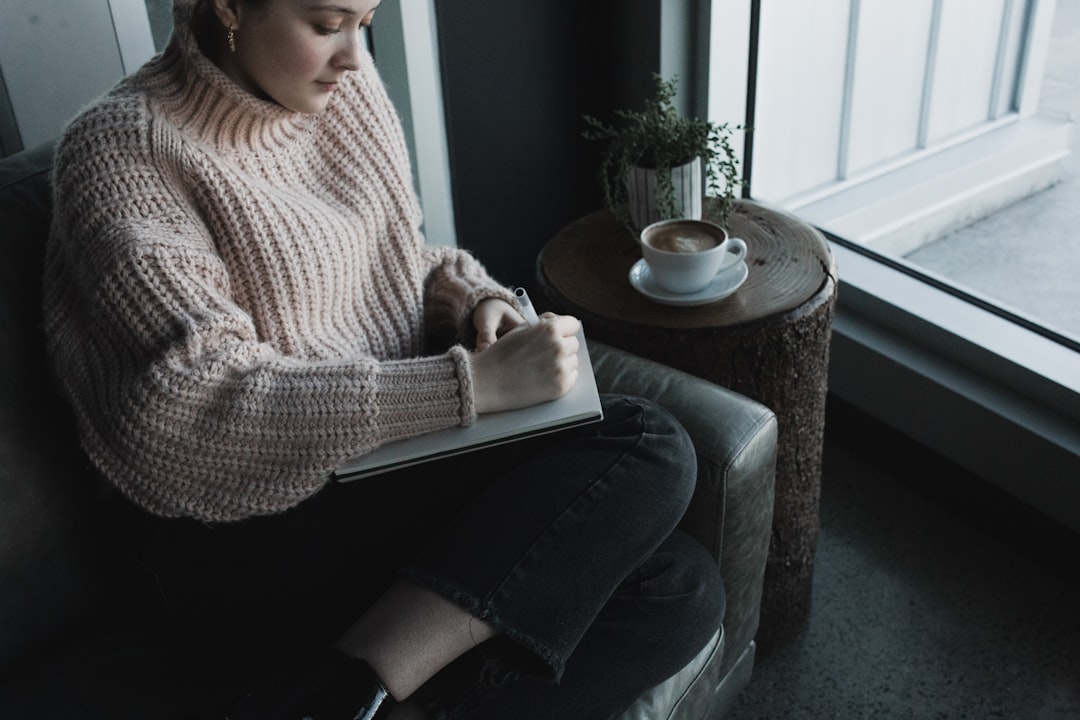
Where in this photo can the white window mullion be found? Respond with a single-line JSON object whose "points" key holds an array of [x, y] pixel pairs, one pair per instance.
{"points": [[133, 36], [406, 47], [1036, 46], [843, 159], [996, 88], [923, 138], [729, 63]]}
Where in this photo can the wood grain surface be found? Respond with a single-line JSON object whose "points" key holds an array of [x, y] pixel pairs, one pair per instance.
{"points": [[789, 261]]}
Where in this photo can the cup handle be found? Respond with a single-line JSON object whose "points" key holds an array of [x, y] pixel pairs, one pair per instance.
{"points": [[737, 248]]}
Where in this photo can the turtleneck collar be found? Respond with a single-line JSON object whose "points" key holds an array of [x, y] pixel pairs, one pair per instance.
{"points": [[210, 106]]}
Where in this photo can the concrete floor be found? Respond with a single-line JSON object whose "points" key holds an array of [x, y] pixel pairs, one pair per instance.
{"points": [[930, 600], [1027, 255]]}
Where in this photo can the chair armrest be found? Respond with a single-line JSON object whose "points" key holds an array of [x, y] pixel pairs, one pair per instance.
{"points": [[735, 441]]}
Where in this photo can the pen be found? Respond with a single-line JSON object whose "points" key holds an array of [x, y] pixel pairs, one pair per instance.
{"points": [[526, 306]]}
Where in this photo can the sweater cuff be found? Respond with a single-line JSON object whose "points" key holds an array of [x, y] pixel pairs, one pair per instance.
{"points": [[465, 328], [463, 364]]}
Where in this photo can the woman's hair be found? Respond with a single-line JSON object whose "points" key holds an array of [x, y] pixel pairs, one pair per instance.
{"points": [[203, 22]]}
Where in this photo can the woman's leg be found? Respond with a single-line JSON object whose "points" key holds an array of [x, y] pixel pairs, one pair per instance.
{"points": [[410, 634], [552, 503], [538, 554], [555, 527], [589, 507], [658, 620]]}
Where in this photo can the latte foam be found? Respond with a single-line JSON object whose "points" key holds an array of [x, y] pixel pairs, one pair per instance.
{"points": [[682, 239]]}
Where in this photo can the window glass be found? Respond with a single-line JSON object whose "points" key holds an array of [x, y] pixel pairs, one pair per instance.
{"points": [[968, 36], [892, 44], [905, 130], [800, 97]]}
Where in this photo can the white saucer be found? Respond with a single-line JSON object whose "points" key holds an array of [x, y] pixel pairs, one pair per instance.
{"points": [[723, 285]]}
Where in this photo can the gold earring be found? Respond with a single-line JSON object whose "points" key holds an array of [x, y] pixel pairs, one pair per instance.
{"points": [[232, 38]]}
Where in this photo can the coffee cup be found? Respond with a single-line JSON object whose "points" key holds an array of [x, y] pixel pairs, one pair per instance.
{"points": [[684, 256]]}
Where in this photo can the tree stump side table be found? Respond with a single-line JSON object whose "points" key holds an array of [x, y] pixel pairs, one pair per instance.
{"points": [[768, 341]]}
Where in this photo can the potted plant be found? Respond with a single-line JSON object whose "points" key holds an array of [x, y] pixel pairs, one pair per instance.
{"points": [[654, 161]]}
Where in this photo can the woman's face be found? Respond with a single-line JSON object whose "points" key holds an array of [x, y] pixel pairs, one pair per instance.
{"points": [[294, 52]]}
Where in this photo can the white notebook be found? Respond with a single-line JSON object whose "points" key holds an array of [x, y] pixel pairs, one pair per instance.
{"points": [[580, 406]]}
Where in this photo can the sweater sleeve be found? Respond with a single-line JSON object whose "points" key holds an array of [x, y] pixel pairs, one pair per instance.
{"points": [[456, 283], [179, 402]]}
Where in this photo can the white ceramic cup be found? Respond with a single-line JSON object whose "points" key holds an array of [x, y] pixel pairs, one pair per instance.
{"points": [[684, 256]]}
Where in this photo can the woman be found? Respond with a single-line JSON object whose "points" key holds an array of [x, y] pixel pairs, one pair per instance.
{"points": [[238, 298]]}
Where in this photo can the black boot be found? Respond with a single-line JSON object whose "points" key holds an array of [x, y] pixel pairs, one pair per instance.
{"points": [[357, 694]]}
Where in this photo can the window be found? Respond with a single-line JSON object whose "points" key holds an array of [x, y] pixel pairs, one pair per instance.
{"points": [[889, 125], [901, 123], [52, 63]]}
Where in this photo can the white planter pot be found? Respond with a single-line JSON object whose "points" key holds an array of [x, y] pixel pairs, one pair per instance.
{"points": [[687, 182]]}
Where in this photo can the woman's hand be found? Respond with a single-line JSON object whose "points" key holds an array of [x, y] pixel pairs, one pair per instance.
{"points": [[530, 364], [492, 318]]}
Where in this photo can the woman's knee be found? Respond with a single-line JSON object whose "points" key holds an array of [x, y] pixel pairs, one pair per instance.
{"points": [[663, 451], [680, 588], [691, 572]]}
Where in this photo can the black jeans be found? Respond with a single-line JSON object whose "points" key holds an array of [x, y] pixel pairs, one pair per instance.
{"points": [[564, 543]]}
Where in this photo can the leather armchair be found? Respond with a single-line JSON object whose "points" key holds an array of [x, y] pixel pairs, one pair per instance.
{"points": [[730, 514], [73, 645]]}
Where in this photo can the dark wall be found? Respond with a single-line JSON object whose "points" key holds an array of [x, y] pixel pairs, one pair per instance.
{"points": [[517, 77]]}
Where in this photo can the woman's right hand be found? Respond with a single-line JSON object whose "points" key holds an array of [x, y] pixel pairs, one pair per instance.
{"points": [[530, 364]]}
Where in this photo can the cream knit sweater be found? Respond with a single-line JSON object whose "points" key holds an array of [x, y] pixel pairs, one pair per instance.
{"points": [[237, 296]]}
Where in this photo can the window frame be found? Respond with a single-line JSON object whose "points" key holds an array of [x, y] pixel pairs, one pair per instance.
{"points": [[404, 42], [998, 396]]}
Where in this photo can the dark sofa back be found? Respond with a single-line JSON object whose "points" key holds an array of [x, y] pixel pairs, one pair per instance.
{"points": [[50, 558]]}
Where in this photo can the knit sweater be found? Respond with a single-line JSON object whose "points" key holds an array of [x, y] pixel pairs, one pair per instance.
{"points": [[237, 296]]}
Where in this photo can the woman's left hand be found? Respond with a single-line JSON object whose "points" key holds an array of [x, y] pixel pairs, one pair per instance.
{"points": [[492, 318]]}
